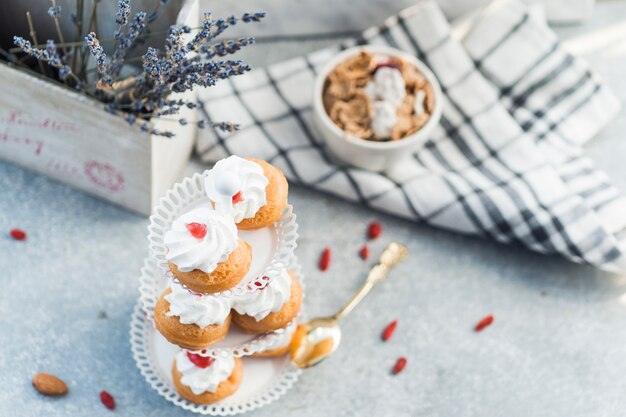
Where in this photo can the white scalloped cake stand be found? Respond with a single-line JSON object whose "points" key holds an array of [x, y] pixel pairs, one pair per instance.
{"points": [[264, 379]]}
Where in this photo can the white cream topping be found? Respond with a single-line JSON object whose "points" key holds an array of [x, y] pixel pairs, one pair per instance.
{"points": [[202, 310], [386, 90], [260, 303], [418, 106], [188, 252], [236, 175], [207, 379], [384, 118]]}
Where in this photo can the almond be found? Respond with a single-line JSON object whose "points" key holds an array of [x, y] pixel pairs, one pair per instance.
{"points": [[49, 384]]}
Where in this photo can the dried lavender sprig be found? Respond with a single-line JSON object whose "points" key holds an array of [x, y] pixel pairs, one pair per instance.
{"points": [[57, 24], [175, 51], [226, 47], [203, 34], [253, 17], [223, 126], [98, 53], [152, 67], [33, 35], [207, 74], [218, 26], [50, 56], [126, 41]]}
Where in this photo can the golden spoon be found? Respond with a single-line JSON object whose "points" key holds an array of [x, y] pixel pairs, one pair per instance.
{"points": [[315, 340]]}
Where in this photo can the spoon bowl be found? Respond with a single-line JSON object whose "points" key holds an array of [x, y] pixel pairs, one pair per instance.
{"points": [[317, 339]]}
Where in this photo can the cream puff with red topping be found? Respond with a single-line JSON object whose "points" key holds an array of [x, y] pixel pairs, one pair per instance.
{"points": [[251, 191], [204, 252], [191, 320], [270, 308], [206, 380]]}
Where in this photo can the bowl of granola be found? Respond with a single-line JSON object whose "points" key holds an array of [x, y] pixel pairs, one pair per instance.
{"points": [[375, 105]]}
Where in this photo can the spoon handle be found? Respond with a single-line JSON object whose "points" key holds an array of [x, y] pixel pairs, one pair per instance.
{"points": [[392, 255]]}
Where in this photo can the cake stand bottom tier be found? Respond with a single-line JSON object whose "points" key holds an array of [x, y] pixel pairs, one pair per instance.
{"points": [[264, 379]]}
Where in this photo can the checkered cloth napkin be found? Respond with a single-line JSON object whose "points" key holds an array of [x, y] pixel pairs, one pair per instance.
{"points": [[506, 160]]}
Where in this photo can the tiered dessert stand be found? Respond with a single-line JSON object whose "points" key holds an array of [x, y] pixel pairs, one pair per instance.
{"points": [[264, 379]]}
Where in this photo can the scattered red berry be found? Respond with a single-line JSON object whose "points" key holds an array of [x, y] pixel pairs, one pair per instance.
{"points": [[388, 332], [200, 361], [399, 366], [486, 321], [324, 262], [18, 234], [108, 400], [374, 230], [197, 230], [364, 253], [238, 198]]}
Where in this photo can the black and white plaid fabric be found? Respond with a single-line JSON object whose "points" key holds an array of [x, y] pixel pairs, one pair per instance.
{"points": [[505, 161]]}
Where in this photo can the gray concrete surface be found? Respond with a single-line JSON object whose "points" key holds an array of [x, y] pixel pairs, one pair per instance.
{"points": [[557, 346]]}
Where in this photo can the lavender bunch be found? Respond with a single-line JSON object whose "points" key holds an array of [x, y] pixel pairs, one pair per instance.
{"points": [[184, 62]]}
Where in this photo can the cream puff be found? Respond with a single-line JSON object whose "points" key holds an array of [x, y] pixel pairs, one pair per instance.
{"points": [[206, 380], [270, 308], [251, 191], [280, 347], [204, 252], [191, 321]]}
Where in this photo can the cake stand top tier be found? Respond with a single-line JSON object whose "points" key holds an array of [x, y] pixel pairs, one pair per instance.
{"points": [[272, 247]]}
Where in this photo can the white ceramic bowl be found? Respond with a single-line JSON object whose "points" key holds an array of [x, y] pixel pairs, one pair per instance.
{"points": [[366, 154]]}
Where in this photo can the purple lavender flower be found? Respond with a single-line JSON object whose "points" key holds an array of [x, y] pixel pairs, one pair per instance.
{"points": [[54, 11], [227, 47], [225, 126], [51, 54], [125, 41], [252, 17], [98, 53], [123, 11], [131, 118], [152, 66], [64, 72], [22, 43]]}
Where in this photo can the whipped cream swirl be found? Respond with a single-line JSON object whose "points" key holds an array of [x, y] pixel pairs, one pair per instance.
{"points": [[207, 379], [202, 310], [203, 249], [260, 303], [386, 90], [237, 187]]}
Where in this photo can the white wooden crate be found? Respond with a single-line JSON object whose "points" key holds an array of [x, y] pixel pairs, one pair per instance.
{"points": [[67, 136]]}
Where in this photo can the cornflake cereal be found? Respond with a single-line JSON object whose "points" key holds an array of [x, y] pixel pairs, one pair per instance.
{"points": [[378, 97]]}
